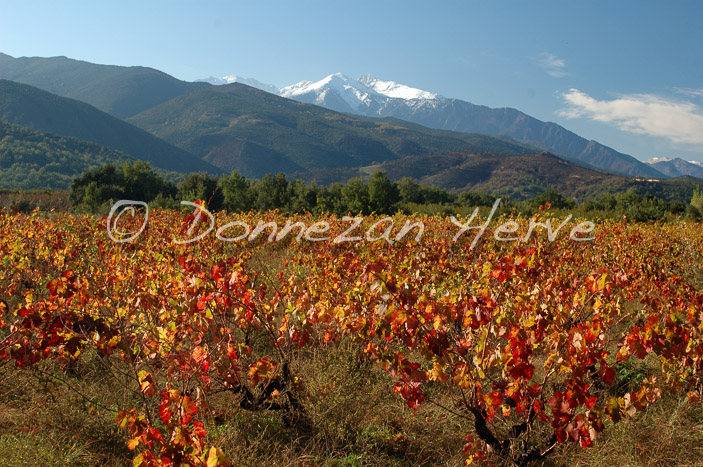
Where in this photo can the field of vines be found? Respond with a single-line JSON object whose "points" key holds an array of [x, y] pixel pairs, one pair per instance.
{"points": [[401, 345]]}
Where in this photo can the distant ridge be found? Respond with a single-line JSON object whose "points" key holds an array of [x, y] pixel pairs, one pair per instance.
{"points": [[127, 91], [238, 79], [375, 98], [118, 90], [372, 97], [517, 176], [31, 159], [676, 167], [237, 127], [33, 108]]}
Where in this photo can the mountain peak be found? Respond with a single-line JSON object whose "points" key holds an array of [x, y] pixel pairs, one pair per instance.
{"points": [[349, 92], [676, 167], [338, 76], [229, 79], [654, 160], [335, 80], [393, 89], [336, 91]]}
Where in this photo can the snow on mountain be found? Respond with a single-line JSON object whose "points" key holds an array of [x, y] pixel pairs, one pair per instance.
{"points": [[218, 81], [676, 167], [372, 97], [366, 96], [339, 92], [654, 160], [393, 89], [336, 80], [238, 79], [337, 87]]}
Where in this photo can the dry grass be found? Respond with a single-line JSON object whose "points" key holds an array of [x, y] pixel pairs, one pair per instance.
{"points": [[352, 420], [26, 201], [44, 423], [669, 433]]}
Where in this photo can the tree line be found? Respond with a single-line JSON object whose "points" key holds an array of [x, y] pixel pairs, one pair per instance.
{"points": [[137, 180], [95, 190]]}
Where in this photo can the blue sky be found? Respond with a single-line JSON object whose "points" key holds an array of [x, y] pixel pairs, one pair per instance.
{"points": [[628, 74]]}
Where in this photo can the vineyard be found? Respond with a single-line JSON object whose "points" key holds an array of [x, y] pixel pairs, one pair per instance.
{"points": [[434, 347]]}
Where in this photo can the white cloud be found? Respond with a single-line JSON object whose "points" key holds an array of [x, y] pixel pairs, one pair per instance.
{"points": [[690, 92], [679, 121], [552, 64]]}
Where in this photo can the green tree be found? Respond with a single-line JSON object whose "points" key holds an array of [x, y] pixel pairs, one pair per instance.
{"points": [[330, 200], [132, 180], [201, 186], [355, 196], [383, 195], [237, 192], [302, 197], [676, 207], [604, 202], [628, 199], [647, 209], [409, 190], [140, 182], [435, 195], [106, 182], [554, 198], [472, 199], [91, 197], [697, 199], [693, 213], [271, 192]]}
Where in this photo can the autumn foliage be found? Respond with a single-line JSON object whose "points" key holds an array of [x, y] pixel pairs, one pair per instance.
{"points": [[523, 341]]}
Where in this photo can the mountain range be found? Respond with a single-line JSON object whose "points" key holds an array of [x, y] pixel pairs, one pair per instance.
{"points": [[126, 91], [676, 167], [31, 159], [237, 127], [328, 130], [117, 90], [517, 176], [372, 97], [33, 108]]}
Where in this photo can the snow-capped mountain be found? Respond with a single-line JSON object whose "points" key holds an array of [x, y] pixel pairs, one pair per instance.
{"points": [[238, 79], [656, 160], [676, 167], [337, 92], [366, 96], [393, 89], [372, 97]]}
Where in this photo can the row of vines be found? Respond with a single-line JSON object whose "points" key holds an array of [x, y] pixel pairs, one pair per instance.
{"points": [[520, 342]]}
